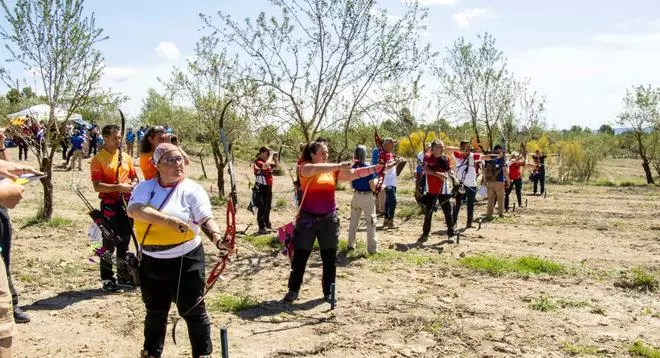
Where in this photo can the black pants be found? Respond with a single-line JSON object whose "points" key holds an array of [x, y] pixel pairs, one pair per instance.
{"points": [[470, 194], [161, 285], [5, 242], [92, 146], [540, 177], [122, 225], [308, 229], [65, 145], [518, 185], [266, 201], [22, 149], [431, 202]]}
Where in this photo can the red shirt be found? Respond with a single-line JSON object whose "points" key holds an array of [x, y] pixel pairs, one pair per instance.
{"points": [[514, 171], [438, 164], [263, 176]]}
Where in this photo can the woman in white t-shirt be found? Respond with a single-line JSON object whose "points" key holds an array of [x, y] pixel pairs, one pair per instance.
{"points": [[169, 211]]}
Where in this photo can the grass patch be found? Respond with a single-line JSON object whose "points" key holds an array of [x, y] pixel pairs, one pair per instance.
{"points": [[281, 203], [639, 349], [404, 191], [525, 265], [231, 303], [543, 304], [218, 201], [572, 304], [410, 211], [263, 242], [340, 186], [578, 349], [638, 279], [52, 223], [603, 182]]}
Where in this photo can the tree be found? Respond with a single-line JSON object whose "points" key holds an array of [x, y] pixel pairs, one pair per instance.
{"points": [[476, 78], [55, 39], [318, 61], [208, 83], [606, 129], [641, 112]]}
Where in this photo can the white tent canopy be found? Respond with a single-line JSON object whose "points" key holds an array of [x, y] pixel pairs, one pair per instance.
{"points": [[42, 111]]}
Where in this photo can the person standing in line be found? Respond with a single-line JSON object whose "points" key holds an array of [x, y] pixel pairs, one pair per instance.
{"points": [[6, 230], [389, 186], [114, 184], [437, 170], [140, 137], [539, 171], [153, 137], [516, 163], [263, 173], [496, 176], [467, 163], [380, 196], [130, 142], [93, 141], [318, 217], [363, 201], [77, 142]]}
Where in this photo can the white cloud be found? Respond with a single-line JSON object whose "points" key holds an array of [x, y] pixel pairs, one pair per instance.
{"points": [[118, 74], [465, 16], [168, 51], [586, 81]]}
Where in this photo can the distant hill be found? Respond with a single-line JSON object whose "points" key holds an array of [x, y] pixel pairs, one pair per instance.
{"points": [[618, 131]]}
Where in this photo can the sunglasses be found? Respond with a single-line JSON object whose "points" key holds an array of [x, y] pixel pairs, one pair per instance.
{"points": [[172, 160]]}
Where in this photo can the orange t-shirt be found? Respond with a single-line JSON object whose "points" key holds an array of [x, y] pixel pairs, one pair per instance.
{"points": [[147, 166], [103, 169], [320, 196]]}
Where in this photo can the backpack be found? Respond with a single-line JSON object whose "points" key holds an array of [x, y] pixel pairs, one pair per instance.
{"points": [[491, 171]]}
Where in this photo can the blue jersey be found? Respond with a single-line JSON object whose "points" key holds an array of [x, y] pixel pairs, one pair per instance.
{"points": [[362, 184], [130, 137], [77, 142]]}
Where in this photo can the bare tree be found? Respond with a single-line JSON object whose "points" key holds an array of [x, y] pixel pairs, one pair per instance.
{"points": [[55, 39], [477, 80], [208, 83], [641, 112], [317, 62]]}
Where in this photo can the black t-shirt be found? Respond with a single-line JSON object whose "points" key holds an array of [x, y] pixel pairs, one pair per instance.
{"points": [[539, 160]]}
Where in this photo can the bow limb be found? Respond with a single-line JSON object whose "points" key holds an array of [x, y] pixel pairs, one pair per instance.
{"points": [[230, 232]]}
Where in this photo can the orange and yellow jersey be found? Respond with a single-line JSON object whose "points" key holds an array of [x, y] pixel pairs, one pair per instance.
{"points": [[148, 168], [103, 168], [320, 192]]}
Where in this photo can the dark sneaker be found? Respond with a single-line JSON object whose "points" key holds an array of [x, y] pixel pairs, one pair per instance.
{"points": [[111, 287], [328, 298], [349, 249], [125, 282], [450, 232], [423, 238], [263, 232], [290, 296], [20, 316]]}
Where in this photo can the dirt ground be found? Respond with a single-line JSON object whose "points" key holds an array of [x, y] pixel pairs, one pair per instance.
{"points": [[410, 301]]}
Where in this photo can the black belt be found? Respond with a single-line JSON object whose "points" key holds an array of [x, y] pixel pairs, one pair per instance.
{"points": [[158, 248]]}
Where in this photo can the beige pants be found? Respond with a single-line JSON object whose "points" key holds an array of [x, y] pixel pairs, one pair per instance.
{"points": [[363, 202], [77, 155], [7, 325], [495, 192], [129, 148]]}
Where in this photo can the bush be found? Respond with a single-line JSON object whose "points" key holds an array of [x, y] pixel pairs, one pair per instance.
{"points": [[579, 157]]}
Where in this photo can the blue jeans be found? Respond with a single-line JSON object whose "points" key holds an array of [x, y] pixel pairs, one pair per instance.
{"points": [[390, 202]]}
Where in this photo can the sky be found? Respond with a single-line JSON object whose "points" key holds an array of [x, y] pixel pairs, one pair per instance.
{"points": [[582, 55]]}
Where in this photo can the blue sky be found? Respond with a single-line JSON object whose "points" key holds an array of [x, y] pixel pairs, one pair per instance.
{"points": [[581, 54]]}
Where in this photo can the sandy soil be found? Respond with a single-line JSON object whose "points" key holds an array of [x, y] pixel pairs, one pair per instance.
{"points": [[412, 301]]}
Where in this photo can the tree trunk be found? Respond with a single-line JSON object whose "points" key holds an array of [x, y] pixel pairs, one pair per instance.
{"points": [[201, 160], [219, 166], [647, 170], [645, 159], [47, 182]]}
